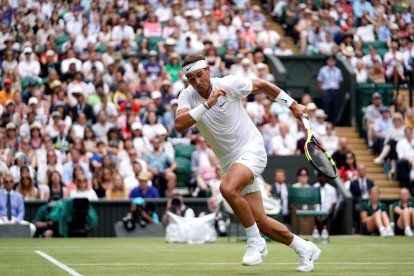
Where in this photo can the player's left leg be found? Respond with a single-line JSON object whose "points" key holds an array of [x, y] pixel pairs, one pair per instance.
{"points": [[308, 252]]}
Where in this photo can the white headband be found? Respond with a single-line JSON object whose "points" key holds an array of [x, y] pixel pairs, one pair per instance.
{"points": [[199, 64]]}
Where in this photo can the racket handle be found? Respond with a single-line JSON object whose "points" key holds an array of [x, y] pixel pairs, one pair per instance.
{"points": [[305, 122]]}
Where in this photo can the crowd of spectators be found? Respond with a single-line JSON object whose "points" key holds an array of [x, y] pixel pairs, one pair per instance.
{"points": [[376, 37]]}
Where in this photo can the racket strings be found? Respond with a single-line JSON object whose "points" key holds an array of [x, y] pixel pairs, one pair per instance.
{"points": [[321, 161]]}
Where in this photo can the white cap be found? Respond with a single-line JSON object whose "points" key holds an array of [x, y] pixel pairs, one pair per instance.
{"points": [[9, 101], [260, 66], [245, 61], [20, 155], [162, 131], [311, 106], [50, 52], [36, 125], [136, 125], [33, 100], [320, 113], [170, 41], [27, 50], [188, 13], [156, 94]]}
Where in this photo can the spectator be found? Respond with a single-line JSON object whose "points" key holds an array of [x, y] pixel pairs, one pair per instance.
{"points": [[68, 168], [26, 186], [399, 106], [339, 156], [372, 113], [374, 216], [82, 190], [404, 213], [284, 143], [177, 206], [329, 199], [102, 126], [348, 172], [279, 190], [319, 125], [381, 127], [283, 49], [359, 189], [303, 178], [330, 140], [7, 93], [117, 190], [12, 205], [361, 72], [394, 64], [405, 163], [377, 73], [394, 135], [162, 168], [143, 189], [28, 66], [56, 188], [330, 78]]}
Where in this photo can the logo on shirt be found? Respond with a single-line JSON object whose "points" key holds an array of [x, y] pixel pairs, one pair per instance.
{"points": [[283, 100], [221, 105]]}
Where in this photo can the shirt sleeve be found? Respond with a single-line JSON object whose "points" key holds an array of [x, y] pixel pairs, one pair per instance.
{"points": [[238, 86], [320, 75], [20, 209], [184, 100]]}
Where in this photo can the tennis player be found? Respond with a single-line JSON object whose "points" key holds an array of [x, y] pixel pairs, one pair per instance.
{"points": [[214, 105]]}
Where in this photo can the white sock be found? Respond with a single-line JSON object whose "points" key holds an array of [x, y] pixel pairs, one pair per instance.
{"points": [[382, 228], [407, 227], [298, 243], [252, 231]]}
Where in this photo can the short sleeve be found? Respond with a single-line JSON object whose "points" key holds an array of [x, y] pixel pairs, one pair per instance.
{"points": [[320, 75], [239, 86], [184, 99]]}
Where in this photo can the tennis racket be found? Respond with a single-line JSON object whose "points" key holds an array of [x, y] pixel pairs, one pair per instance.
{"points": [[316, 155]]}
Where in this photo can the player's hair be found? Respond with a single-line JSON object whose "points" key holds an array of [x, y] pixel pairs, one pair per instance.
{"points": [[193, 58]]}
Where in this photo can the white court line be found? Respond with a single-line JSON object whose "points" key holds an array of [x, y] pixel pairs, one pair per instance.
{"points": [[57, 263], [224, 264]]}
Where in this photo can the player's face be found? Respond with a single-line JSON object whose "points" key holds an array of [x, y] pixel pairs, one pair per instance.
{"points": [[200, 80]]}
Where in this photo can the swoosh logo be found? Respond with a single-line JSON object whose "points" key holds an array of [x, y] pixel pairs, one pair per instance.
{"points": [[283, 100], [222, 104], [244, 158], [261, 251], [188, 68]]}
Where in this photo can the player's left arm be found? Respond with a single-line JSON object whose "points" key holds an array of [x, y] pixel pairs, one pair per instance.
{"points": [[275, 93]]}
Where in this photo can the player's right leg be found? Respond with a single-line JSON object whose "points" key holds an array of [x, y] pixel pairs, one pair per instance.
{"points": [[236, 179], [308, 252]]}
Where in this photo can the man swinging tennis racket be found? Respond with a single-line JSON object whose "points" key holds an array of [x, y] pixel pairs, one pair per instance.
{"points": [[214, 105]]}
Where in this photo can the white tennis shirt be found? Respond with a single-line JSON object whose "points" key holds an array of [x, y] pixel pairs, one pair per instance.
{"points": [[226, 126]]}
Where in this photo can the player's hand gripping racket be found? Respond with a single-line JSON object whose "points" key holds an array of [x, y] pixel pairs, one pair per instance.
{"points": [[316, 155]]}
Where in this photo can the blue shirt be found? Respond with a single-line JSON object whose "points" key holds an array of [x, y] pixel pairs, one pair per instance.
{"points": [[151, 193], [17, 204], [160, 162], [359, 8], [331, 78]]}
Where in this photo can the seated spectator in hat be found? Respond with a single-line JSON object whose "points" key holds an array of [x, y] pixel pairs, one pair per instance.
{"points": [[162, 168], [82, 189], [246, 70], [7, 93], [143, 189], [82, 107], [28, 66], [319, 125], [284, 143], [173, 67], [20, 161], [35, 140], [330, 140], [12, 140], [49, 62], [374, 217], [15, 117], [404, 213], [117, 189], [371, 113], [140, 142], [9, 64], [382, 125], [264, 73], [329, 199], [166, 145]]}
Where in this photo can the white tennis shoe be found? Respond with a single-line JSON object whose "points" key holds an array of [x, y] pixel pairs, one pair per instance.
{"points": [[255, 252], [307, 257]]}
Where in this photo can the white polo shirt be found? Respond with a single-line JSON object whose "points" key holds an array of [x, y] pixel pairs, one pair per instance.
{"points": [[226, 126]]}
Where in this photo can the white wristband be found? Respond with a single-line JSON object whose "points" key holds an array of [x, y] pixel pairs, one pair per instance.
{"points": [[284, 99], [198, 112]]}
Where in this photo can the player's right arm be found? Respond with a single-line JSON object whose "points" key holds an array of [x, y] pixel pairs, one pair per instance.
{"points": [[186, 117]]}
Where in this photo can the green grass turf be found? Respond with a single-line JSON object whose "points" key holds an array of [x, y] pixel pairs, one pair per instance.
{"points": [[110, 256]]}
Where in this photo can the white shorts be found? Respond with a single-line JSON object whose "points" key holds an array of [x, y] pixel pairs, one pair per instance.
{"points": [[254, 157]]}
